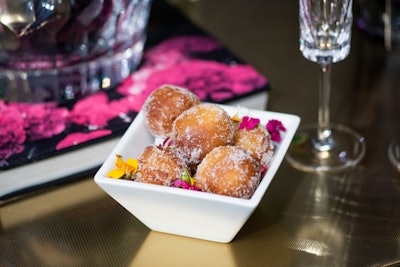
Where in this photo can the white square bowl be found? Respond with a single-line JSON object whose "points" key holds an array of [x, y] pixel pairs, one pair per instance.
{"points": [[184, 212]]}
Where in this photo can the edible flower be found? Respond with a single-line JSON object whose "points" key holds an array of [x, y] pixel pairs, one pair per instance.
{"points": [[235, 118], [167, 143], [187, 182], [185, 185], [275, 127], [125, 169], [249, 123], [264, 169]]}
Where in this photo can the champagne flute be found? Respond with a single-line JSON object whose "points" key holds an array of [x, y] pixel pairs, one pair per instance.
{"points": [[325, 35], [394, 153], [394, 146]]}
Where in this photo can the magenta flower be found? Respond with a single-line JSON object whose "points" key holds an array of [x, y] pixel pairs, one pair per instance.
{"points": [[185, 185], [264, 169], [275, 127], [186, 182], [249, 123], [167, 143]]}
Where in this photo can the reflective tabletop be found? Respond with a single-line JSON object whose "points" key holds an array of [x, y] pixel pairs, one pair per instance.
{"points": [[349, 218]]}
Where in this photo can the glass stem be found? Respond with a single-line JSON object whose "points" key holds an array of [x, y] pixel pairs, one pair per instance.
{"points": [[324, 131]]}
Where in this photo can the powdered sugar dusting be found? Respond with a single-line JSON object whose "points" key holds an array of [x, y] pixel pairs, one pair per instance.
{"points": [[159, 166], [230, 171], [201, 128], [163, 106], [257, 142]]}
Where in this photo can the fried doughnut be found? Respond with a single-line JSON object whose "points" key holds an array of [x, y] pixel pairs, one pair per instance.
{"points": [[229, 171], [199, 129], [162, 107], [160, 166], [256, 141]]}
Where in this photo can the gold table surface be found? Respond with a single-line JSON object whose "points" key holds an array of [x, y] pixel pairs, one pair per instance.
{"points": [[350, 218]]}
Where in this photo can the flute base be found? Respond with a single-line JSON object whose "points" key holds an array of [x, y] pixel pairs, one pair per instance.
{"points": [[343, 149], [394, 153]]}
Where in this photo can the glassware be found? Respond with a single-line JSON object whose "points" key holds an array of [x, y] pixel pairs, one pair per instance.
{"points": [[325, 36], [61, 50], [394, 153], [390, 34], [380, 18]]}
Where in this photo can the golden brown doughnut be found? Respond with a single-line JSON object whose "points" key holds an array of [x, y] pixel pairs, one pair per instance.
{"points": [[159, 166], [201, 128], [256, 141], [229, 171], [162, 107]]}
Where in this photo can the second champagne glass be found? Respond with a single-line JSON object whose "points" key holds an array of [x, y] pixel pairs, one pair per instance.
{"points": [[325, 35]]}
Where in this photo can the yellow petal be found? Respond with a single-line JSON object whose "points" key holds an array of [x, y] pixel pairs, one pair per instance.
{"points": [[235, 118], [192, 180], [119, 162], [133, 163], [117, 173]]}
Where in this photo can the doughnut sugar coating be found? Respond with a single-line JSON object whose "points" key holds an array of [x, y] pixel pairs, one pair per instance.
{"points": [[160, 166], [199, 129], [256, 141], [229, 171], [163, 105]]}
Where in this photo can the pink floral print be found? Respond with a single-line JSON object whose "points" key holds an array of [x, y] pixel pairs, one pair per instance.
{"points": [[79, 138], [42, 120], [12, 132], [171, 63], [179, 60]]}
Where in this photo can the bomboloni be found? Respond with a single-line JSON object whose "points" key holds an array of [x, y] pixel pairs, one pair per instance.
{"points": [[256, 141], [164, 105], [199, 129], [229, 171], [160, 166]]}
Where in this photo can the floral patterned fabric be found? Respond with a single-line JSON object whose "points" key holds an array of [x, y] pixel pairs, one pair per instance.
{"points": [[30, 132]]}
